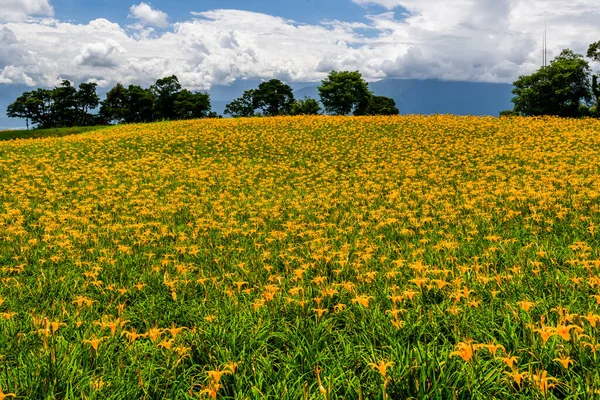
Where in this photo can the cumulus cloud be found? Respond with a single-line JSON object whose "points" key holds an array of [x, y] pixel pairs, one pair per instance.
{"points": [[149, 16], [18, 10], [475, 40], [100, 54], [15, 75]]}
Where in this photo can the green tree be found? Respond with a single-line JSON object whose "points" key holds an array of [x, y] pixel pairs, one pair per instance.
{"points": [[64, 107], [133, 104], [192, 105], [165, 91], [41, 104], [273, 98], [139, 105], [381, 105], [345, 92], [113, 108], [22, 107], [307, 106], [561, 88], [594, 53], [243, 106], [87, 100]]}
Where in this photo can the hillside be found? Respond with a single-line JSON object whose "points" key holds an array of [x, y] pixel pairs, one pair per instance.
{"points": [[317, 257]]}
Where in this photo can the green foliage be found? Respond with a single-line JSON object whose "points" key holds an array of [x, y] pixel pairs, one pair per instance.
{"points": [[287, 244], [165, 91], [381, 105], [243, 106], [21, 108], [164, 100], [509, 113], [41, 105], [594, 51], [274, 98], [87, 99], [113, 108], [307, 106], [47, 133], [594, 54], [62, 106], [345, 92], [271, 98], [192, 105], [557, 89], [139, 105]]}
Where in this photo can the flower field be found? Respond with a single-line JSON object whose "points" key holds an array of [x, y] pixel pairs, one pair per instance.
{"points": [[303, 258]]}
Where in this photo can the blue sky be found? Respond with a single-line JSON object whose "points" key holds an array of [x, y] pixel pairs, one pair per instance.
{"points": [[303, 11], [216, 43], [210, 43]]}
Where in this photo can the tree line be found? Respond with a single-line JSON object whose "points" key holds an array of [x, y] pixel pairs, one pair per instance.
{"points": [[341, 93], [566, 88], [67, 106]]}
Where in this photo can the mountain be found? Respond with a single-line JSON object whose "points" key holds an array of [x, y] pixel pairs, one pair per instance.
{"points": [[430, 96]]}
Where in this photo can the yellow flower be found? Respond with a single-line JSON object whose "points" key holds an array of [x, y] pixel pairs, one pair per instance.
{"points": [[565, 361], [465, 350], [382, 367], [544, 382], [94, 342]]}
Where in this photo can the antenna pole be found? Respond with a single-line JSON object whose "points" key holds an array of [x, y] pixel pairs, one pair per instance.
{"points": [[545, 56]]}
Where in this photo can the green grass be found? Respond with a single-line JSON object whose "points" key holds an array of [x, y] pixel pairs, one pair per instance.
{"points": [[283, 244], [47, 133]]}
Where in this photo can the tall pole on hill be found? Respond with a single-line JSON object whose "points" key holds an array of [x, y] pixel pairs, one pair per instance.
{"points": [[545, 50]]}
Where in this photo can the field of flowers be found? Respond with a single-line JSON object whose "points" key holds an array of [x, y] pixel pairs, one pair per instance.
{"points": [[303, 257]]}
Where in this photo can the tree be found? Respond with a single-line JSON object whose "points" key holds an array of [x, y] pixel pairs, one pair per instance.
{"points": [[307, 106], [243, 106], [41, 104], [87, 100], [594, 53], [381, 105], [345, 92], [561, 88], [64, 107], [273, 98], [113, 108], [192, 105], [165, 91], [21, 108], [139, 105]]}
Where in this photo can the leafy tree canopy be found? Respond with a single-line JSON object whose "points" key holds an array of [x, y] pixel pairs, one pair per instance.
{"points": [[345, 92], [273, 98], [307, 106], [243, 106], [561, 88], [192, 105], [381, 105], [165, 91]]}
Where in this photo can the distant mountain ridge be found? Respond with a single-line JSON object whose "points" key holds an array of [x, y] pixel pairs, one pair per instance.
{"points": [[412, 96]]}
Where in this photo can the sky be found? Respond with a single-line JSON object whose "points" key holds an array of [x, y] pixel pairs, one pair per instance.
{"points": [[218, 42]]}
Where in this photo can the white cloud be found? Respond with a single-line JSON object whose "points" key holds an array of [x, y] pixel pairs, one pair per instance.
{"points": [[15, 75], [476, 40], [100, 54], [149, 16], [18, 10]]}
